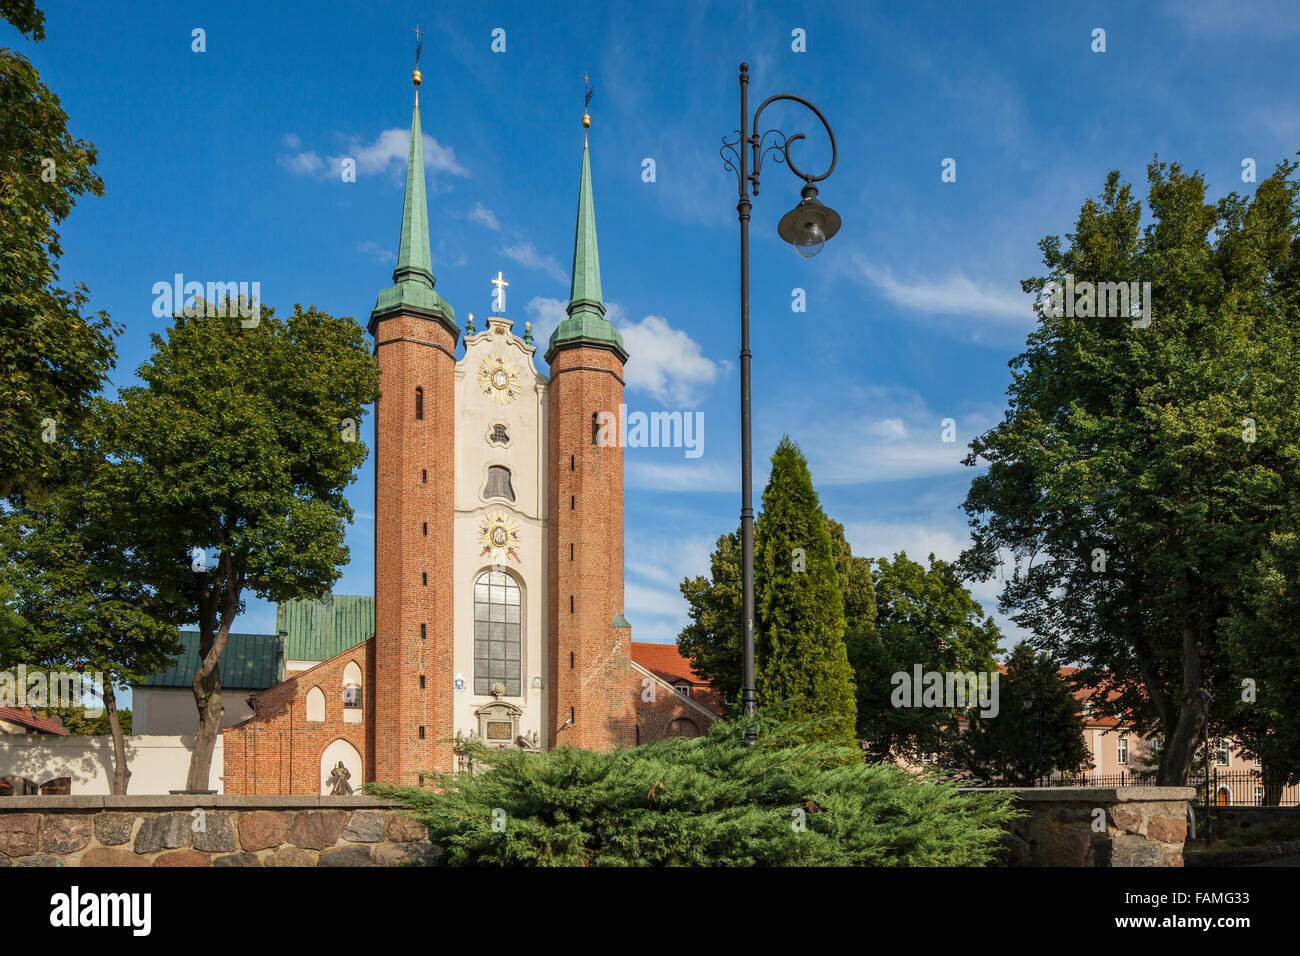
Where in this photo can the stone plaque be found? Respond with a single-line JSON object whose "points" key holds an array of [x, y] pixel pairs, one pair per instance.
{"points": [[498, 730]]}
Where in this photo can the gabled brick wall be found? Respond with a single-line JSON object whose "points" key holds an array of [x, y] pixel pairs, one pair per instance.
{"points": [[279, 752]]}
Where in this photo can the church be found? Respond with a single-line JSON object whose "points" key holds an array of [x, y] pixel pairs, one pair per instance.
{"points": [[498, 606]]}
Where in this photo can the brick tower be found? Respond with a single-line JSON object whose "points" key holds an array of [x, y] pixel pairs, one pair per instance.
{"points": [[415, 337], [592, 688]]}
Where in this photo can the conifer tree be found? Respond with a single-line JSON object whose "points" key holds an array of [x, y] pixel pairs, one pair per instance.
{"points": [[799, 609]]}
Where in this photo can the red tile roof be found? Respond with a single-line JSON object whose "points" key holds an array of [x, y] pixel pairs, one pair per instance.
{"points": [[26, 717], [666, 661]]}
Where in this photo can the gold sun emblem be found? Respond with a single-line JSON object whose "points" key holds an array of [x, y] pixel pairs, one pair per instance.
{"points": [[499, 535], [498, 377]]}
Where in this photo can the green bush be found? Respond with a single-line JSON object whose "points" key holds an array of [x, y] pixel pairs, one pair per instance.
{"points": [[710, 801]]}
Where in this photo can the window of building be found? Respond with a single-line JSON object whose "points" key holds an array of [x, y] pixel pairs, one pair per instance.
{"points": [[684, 689], [595, 428], [498, 483], [498, 634], [1222, 752], [683, 727], [499, 435], [351, 696], [419, 402], [1121, 751], [1259, 796]]}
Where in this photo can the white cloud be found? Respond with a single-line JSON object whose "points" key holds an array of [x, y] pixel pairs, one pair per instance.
{"points": [[388, 151], [526, 254], [697, 474], [666, 362], [953, 294], [484, 216], [545, 315], [304, 164], [375, 251], [663, 361], [884, 434]]}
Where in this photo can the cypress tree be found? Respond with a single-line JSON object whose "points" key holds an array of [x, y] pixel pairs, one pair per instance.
{"points": [[799, 609]]}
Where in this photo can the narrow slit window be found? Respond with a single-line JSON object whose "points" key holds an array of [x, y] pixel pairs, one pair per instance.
{"points": [[419, 403], [595, 428]]}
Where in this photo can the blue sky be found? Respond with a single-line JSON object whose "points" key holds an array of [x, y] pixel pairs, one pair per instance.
{"points": [[222, 165]]}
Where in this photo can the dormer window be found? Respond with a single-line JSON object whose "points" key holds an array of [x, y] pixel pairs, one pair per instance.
{"points": [[499, 435], [498, 483], [683, 689]]}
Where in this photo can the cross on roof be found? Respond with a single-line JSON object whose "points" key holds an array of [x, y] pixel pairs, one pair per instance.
{"points": [[418, 33], [499, 295]]}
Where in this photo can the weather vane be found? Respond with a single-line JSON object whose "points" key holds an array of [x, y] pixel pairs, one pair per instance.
{"points": [[586, 103], [418, 33]]}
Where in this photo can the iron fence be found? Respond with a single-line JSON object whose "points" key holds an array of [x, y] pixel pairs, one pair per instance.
{"points": [[1235, 788]]}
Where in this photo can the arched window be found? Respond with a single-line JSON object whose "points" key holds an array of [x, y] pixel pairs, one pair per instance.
{"points": [[498, 633], [315, 705], [683, 727], [498, 483], [419, 402]]}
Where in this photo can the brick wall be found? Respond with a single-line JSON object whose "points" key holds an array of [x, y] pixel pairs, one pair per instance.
{"points": [[279, 752], [414, 489], [590, 660], [656, 715]]}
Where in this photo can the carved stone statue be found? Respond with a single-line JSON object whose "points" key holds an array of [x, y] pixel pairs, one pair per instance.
{"points": [[338, 781]]}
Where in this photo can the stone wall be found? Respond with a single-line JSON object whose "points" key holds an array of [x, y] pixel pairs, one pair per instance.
{"points": [[230, 831], [1235, 821], [1098, 826]]}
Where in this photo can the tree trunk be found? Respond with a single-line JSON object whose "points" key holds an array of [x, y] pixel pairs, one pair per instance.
{"points": [[207, 699], [1180, 746], [121, 772]]}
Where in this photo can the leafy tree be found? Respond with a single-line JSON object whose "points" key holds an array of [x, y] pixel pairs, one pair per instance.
{"points": [[710, 801], [1142, 469], [79, 600], [926, 617], [52, 357], [712, 640], [1262, 644], [1036, 730], [857, 585], [799, 608], [76, 722], [235, 454]]}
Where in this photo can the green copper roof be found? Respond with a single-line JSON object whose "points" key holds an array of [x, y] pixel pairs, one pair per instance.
{"points": [[249, 662], [413, 259], [586, 324], [412, 291], [317, 630]]}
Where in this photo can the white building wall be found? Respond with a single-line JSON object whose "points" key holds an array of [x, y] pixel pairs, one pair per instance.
{"points": [[159, 764], [525, 456]]}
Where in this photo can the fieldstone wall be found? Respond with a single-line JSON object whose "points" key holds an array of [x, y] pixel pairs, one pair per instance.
{"points": [[1098, 826], [229, 831], [1234, 821]]}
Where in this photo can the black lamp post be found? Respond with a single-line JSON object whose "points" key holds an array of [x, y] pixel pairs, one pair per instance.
{"points": [[806, 227]]}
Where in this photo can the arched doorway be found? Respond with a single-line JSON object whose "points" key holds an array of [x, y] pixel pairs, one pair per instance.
{"points": [[340, 751]]}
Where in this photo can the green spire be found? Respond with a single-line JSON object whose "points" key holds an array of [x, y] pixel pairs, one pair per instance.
{"points": [[584, 288], [413, 260], [586, 324], [412, 290]]}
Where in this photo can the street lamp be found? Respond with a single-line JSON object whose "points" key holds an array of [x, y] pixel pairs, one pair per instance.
{"points": [[806, 227]]}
